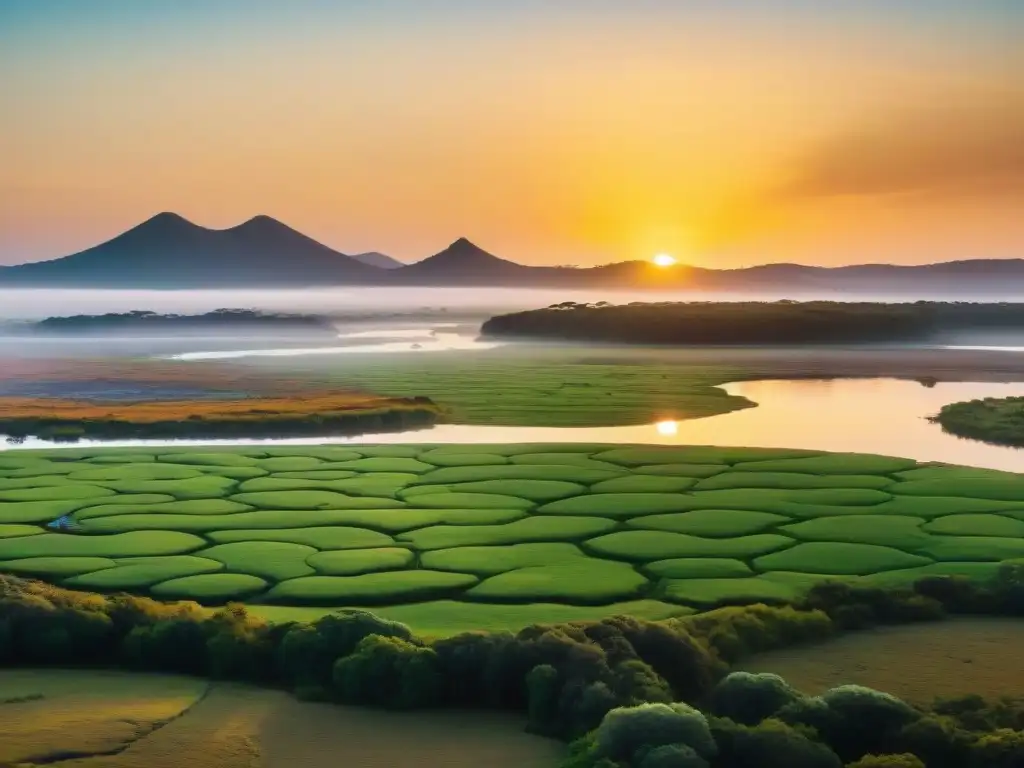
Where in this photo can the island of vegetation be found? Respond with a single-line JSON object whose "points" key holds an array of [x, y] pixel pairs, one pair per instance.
{"points": [[313, 414], [755, 323], [140, 321], [992, 420]]}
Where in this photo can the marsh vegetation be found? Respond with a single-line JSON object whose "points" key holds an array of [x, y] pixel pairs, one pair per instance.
{"points": [[756, 322]]}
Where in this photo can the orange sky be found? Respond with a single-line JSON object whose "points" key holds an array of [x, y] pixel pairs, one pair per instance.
{"points": [[598, 132]]}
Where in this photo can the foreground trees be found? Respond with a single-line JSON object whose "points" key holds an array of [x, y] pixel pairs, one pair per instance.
{"points": [[632, 692]]}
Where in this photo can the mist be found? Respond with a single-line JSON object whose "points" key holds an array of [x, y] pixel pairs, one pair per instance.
{"points": [[39, 303]]}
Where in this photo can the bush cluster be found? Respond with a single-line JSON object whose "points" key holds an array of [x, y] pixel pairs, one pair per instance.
{"points": [[571, 679]]}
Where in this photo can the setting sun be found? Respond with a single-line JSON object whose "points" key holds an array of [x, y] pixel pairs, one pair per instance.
{"points": [[663, 260]]}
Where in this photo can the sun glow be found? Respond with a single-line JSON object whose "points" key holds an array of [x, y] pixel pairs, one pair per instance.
{"points": [[667, 428], [663, 260]]}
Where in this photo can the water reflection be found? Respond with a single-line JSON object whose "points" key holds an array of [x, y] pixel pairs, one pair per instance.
{"points": [[413, 340], [856, 415]]}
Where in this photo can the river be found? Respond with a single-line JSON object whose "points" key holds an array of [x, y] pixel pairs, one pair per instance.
{"points": [[885, 416]]}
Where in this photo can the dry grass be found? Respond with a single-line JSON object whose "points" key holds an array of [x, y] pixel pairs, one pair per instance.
{"points": [[917, 662], [85, 712], [255, 408], [236, 726]]}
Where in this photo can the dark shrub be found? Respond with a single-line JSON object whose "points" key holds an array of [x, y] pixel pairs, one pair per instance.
{"points": [[888, 761], [388, 672], [748, 698], [626, 730], [770, 744]]}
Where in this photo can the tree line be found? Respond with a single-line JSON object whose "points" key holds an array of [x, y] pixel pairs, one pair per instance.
{"points": [[570, 679], [755, 322]]}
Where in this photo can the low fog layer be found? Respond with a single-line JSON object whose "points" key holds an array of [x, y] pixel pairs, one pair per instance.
{"points": [[38, 303]]}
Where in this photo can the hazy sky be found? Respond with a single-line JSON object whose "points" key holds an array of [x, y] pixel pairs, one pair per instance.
{"points": [[557, 131]]}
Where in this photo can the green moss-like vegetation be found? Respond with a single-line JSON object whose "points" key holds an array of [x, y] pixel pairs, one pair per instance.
{"points": [[572, 524], [716, 523], [838, 558], [976, 525], [144, 573], [885, 530], [327, 538], [133, 544], [210, 587], [370, 588], [492, 560], [273, 560], [581, 581], [993, 420], [356, 561], [698, 568], [521, 531], [645, 546], [719, 591]]}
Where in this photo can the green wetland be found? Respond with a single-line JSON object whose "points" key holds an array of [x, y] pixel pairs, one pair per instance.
{"points": [[436, 535]]}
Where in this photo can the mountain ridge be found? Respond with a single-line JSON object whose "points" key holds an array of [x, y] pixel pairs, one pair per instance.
{"points": [[169, 251]]}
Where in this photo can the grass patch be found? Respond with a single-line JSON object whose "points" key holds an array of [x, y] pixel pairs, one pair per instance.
{"points": [[443, 618], [144, 573], [978, 488], [618, 505], [644, 484], [358, 561], [488, 561], [210, 587], [699, 568], [885, 530], [56, 567], [644, 546], [312, 500], [532, 490], [794, 480], [131, 544], [370, 588], [711, 522], [581, 582], [11, 530], [716, 591], [976, 525], [967, 548], [191, 507], [204, 487], [323, 537], [831, 464], [838, 558], [453, 500], [273, 560], [570, 473], [529, 529]]}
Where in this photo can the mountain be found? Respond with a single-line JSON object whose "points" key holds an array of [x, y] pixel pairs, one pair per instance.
{"points": [[168, 251], [464, 263], [379, 260]]}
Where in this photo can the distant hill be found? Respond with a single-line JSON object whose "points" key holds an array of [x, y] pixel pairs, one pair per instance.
{"points": [[379, 260], [168, 251]]}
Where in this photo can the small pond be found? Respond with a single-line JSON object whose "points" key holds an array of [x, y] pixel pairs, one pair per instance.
{"points": [[884, 416]]}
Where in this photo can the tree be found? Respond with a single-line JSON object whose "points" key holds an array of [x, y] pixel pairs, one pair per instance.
{"points": [[749, 698], [626, 730], [770, 744], [388, 672]]}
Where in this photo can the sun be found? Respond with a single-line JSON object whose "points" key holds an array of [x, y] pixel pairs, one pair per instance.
{"points": [[663, 260], [667, 428]]}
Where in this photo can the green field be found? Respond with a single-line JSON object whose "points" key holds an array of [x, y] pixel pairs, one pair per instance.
{"points": [[496, 534]]}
